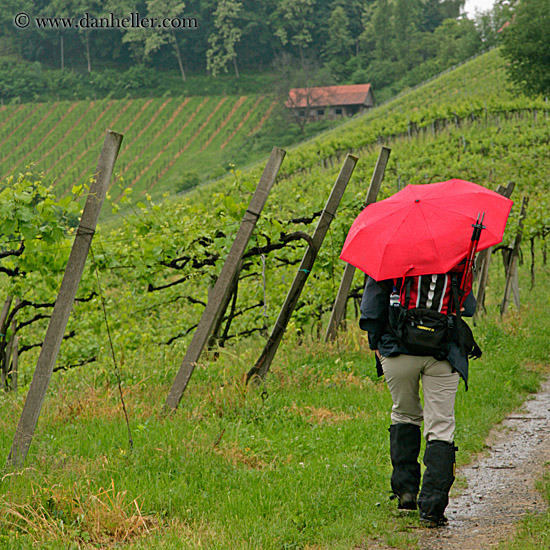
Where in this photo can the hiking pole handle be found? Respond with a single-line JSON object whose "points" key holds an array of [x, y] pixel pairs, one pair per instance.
{"points": [[472, 249], [478, 226]]}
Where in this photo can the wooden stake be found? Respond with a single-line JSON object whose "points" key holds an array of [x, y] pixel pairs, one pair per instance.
{"points": [[486, 259], [11, 349], [218, 298], [3, 328], [345, 284], [15, 363], [263, 363], [513, 265], [64, 303]]}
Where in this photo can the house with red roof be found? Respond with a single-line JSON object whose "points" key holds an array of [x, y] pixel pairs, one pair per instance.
{"points": [[329, 102]]}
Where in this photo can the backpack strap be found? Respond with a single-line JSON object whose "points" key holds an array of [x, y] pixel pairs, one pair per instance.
{"points": [[408, 283], [455, 300], [466, 341]]}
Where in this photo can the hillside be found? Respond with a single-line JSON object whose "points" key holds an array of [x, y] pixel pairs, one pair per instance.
{"points": [[484, 133], [170, 143], [300, 462], [469, 124]]}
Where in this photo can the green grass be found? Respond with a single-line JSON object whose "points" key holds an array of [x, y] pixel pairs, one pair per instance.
{"points": [[304, 466]]}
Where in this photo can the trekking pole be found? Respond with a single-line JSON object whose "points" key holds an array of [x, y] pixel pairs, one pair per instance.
{"points": [[478, 226]]}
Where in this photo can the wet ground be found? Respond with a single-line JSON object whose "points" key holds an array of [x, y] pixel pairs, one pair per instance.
{"points": [[501, 485]]}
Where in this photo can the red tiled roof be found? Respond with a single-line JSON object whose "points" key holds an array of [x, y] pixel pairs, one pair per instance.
{"points": [[354, 94]]}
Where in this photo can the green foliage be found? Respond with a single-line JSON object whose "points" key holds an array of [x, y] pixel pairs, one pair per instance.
{"points": [[526, 44], [224, 41], [152, 40], [376, 41], [23, 82], [407, 42], [294, 25], [33, 221], [37, 230], [188, 180]]}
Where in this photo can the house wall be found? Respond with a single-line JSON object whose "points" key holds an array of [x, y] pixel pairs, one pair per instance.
{"points": [[331, 112]]}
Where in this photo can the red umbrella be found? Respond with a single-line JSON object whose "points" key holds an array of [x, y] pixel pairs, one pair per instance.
{"points": [[424, 229]]}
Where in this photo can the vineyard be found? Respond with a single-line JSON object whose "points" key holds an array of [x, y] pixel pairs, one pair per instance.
{"points": [[171, 144], [159, 260], [151, 269]]}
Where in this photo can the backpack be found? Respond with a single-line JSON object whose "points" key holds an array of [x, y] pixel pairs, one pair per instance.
{"points": [[424, 317]]}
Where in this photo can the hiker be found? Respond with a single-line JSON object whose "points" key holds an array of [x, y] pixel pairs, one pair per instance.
{"points": [[404, 361]]}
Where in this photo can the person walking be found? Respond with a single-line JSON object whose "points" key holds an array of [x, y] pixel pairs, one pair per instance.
{"points": [[417, 248], [404, 362]]}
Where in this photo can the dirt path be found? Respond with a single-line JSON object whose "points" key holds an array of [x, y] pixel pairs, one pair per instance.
{"points": [[500, 487]]}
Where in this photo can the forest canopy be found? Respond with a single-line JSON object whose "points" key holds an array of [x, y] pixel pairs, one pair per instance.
{"points": [[376, 41]]}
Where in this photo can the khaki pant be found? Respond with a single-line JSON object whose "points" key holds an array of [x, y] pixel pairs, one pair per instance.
{"points": [[439, 385]]}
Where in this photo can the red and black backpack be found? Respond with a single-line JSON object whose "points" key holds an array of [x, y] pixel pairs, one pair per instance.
{"points": [[425, 317]]}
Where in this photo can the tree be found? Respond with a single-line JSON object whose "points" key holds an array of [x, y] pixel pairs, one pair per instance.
{"points": [[258, 43], [450, 9], [12, 35], [303, 77], [227, 35], [355, 11], [339, 47], [382, 29], [367, 39], [151, 40], [76, 8], [526, 43], [431, 16], [294, 24], [405, 16], [490, 23], [456, 41]]}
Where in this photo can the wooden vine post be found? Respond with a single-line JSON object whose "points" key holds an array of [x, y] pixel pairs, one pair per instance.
{"points": [[511, 272], [485, 258], [264, 362], [11, 354], [3, 318], [64, 302], [339, 306], [218, 300]]}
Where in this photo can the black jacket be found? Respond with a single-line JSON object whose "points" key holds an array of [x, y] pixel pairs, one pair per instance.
{"points": [[375, 319]]}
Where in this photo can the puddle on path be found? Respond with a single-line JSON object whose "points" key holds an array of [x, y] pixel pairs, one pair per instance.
{"points": [[500, 487]]}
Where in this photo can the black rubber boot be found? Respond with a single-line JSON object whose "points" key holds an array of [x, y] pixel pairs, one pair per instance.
{"points": [[404, 450], [439, 476]]}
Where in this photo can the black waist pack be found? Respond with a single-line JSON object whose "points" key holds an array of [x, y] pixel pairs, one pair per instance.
{"points": [[423, 331]]}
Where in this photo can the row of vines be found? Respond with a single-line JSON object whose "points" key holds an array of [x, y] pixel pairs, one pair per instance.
{"points": [[165, 138]]}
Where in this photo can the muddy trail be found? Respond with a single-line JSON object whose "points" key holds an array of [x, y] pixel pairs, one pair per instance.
{"points": [[501, 485]]}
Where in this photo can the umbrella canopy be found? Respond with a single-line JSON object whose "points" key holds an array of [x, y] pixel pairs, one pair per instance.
{"points": [[424, 229]]}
